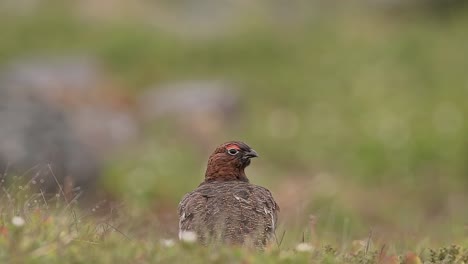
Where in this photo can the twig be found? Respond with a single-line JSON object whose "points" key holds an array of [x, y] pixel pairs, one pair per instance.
{"points": [[368, 241], [282, 237], [382, 252], [4, 173], [75, 220], [33, 178], [6, 169], [30, 169], [7, 194], [278, 243], [73, 200], [115, 228], [43, 198], [60, 186]]}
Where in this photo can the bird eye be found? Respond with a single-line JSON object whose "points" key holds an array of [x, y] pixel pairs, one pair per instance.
{"points": [[233, 151]]}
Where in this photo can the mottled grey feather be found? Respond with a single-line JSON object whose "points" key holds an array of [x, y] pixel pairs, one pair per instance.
{"points": [[232, 212]]}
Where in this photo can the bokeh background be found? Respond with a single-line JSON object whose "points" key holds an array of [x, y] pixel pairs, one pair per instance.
{"points": [[357, 108]]}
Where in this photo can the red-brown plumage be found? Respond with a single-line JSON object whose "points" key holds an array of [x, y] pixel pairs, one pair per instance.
{"points": [[223, 166], [226, 207]]}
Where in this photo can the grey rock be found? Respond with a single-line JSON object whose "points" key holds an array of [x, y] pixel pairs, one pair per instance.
{"points": [[189, 97], [201, 110], [55, 111]]}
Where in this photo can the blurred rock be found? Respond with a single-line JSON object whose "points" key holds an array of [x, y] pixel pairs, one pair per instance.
{"points": [[33, 135], [202, 110], [62, 111], [98, 111]]}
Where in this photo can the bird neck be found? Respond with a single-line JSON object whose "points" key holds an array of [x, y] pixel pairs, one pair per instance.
{"points": [[225, 174]]}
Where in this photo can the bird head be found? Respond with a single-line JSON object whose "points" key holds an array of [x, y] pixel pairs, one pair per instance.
{"points": [[228, 162]]}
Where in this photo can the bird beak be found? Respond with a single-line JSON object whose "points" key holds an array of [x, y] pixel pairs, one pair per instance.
{"points": [[251, 154]]}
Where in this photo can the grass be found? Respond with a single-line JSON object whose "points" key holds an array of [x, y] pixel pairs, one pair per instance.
{"points": [[36, 229]]}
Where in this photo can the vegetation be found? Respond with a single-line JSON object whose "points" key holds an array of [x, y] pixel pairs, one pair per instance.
{"points": [[36, 229]]}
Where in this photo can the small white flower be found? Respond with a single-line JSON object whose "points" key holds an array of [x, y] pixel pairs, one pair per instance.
{"points": [[304, 247], [188, 236], [18, 221], [167, 242]]}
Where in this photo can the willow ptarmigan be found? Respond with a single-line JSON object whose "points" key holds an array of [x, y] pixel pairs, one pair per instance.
{"points": [[226, 208]]}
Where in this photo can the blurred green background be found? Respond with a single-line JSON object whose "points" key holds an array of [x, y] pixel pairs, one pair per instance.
{"points": [[357, 109]]}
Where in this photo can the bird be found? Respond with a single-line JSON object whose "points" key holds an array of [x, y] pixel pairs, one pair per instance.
{"points": [[226, 208]]}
